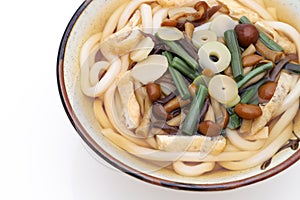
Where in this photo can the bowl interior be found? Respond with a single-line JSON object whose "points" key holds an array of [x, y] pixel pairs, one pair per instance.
{"points": [[91, 21]]}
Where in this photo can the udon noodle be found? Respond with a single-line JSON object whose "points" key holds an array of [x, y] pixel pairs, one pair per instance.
{"points": [[200, 85]]}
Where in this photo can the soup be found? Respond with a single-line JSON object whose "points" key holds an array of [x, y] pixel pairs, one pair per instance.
{"points": [[195, 86]]}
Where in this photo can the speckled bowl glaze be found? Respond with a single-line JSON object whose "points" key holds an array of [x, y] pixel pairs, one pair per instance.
{"points": [[89, 19]]}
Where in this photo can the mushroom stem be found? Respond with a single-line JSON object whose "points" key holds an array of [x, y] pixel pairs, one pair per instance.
{"points": [[166, 99], [210, 115], [221, 115], [176, 103], [176, 121], [274, 56], [249, 51]]}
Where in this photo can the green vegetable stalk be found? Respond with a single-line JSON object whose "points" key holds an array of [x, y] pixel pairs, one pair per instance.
{"points": [[254, 73], [236, 58], [192, 119], [177, 49]]}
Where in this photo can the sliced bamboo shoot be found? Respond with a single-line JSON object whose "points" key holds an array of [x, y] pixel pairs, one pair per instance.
{"points": [[169, 33], [150, 69], [142, 50], [222, 23]]}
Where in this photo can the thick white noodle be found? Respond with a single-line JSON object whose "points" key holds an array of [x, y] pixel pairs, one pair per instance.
{"points": [[99, 89], [96, 68], [243, 144], [288, 30], [157, 155], [158, 18], [283, 122], [231, 148], [125, 63], [85, 65], [101, 115], [155, 9], [192, 171], [112, 23], [87, 47], [131, 7], [262, 155], [257, 8], [152, 142], [147, 21]]}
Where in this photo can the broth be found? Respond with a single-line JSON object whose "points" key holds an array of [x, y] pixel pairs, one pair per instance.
{"points": [[159, 98]]}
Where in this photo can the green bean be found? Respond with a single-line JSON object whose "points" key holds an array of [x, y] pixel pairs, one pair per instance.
{"points": [[169, 56], [254, 73], [180, 83], [250, 93], [177, 49], [181, 66], [234, 122], [236, 58], [191, 121]]}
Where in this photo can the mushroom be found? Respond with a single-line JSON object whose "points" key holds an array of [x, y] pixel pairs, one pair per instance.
{"points": [[221, 114], [269, 54], [165, 127], [176, 121], [176, 103], [180, 10], [210, 115], [189, 30], [249, 51]]}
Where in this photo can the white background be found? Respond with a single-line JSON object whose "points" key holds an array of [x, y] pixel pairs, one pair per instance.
{"points": [[41, 155]]}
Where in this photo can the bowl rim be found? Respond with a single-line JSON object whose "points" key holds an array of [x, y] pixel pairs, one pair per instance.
{"points": [[122, 166]]}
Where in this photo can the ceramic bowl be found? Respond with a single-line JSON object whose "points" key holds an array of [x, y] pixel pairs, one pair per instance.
{"points": [[89, 19]]}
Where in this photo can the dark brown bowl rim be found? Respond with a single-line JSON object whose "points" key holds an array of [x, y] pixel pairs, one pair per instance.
{"points": [[127, 169]]}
